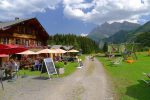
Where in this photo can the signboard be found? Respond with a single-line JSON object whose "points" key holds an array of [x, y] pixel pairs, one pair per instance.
{"points": [[50, 66], [24, 36]]}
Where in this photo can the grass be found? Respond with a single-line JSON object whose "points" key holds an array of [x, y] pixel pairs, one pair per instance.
{"points": [[29, 73], [82, 57], [69, 69], [127, 78]]}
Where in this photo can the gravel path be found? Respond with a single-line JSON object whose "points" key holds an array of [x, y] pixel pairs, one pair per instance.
{"points": [[88, 83]]}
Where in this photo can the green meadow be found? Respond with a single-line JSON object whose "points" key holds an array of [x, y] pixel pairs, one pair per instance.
{"points": [[127, 79], [69, 69]]}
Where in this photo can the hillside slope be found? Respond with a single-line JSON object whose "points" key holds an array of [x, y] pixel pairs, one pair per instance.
{"points": [[106, 30]]}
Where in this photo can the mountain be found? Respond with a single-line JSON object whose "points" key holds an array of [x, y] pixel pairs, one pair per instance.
{"points": [[129, 36], [143, 39], [119, 37], [106, 30], [143, 28]]}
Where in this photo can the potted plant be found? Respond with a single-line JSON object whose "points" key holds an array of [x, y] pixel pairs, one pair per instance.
{"points": [[59, 67]]}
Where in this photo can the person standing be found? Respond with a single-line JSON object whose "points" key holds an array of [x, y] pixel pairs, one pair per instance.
{"points": [[80, 63], [36, 64], [11, 66]]}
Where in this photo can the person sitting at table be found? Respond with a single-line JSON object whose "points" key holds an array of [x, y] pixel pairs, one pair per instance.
{"points": [[36, 64], [11, 67], [8, 68]]}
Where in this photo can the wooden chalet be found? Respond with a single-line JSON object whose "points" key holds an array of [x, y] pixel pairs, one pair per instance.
{"points": [[27, 32]]}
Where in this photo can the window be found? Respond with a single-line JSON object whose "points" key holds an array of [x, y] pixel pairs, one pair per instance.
{"points": [[19, 29], [24, 30], [33, 32], [23, 42], [35, 43], [17, 41], [38, 43], [30, 31], [27, 43], [5, 40]]}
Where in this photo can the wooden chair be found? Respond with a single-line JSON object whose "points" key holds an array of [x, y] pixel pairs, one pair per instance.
{"points": [[117, 61], [15, 71], [147, 81]]}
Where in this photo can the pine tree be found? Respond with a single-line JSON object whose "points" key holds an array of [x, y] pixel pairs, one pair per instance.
{"points": [[105, 47], [87, 45]]}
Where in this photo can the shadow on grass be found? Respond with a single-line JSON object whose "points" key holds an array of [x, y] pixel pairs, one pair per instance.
{"points": [[41, 78], [140, 91], [113, 65]]}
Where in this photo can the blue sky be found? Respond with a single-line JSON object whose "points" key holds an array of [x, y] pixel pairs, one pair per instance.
{"points": [[76, 16], [55, 22]]}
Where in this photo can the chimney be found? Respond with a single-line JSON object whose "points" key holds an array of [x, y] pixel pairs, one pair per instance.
{"points": [[16, 18]]}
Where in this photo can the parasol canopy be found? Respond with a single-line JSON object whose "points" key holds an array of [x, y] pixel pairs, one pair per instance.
{"points": [[11, 49], [46, 51], [73, 50], [28, 52]]}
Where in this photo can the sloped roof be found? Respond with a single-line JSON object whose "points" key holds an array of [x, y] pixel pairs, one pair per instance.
{"points": [[5, 25], [67, 47], [60, 46], [56, 46], [10, 23]]}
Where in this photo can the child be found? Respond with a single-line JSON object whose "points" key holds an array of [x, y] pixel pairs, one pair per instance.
{"points": [[80, 63]]}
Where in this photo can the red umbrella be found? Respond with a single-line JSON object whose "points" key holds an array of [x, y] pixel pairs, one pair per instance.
{"points": [[2, 46], [4, 55], [11, 49]]}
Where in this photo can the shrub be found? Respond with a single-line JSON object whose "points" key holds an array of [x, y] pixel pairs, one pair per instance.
{"points": [[59, 64]]}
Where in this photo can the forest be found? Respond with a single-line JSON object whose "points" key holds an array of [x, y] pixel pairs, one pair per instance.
{"points": [[143, 39], [79, 42]]}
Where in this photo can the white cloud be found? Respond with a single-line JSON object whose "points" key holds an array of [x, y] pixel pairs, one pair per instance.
{"points": [[96, 11], [83, 34], [99, 11], [69, 2], [73, 13], [23, 8]]}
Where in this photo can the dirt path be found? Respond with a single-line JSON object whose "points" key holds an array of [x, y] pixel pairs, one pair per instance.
{"points": [[88, 83]]}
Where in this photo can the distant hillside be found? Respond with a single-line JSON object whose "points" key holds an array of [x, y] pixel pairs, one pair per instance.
{"points": [[106, 30], [124, 36], [142, 35], [119, 37], [143, 39], [143, 28]]}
